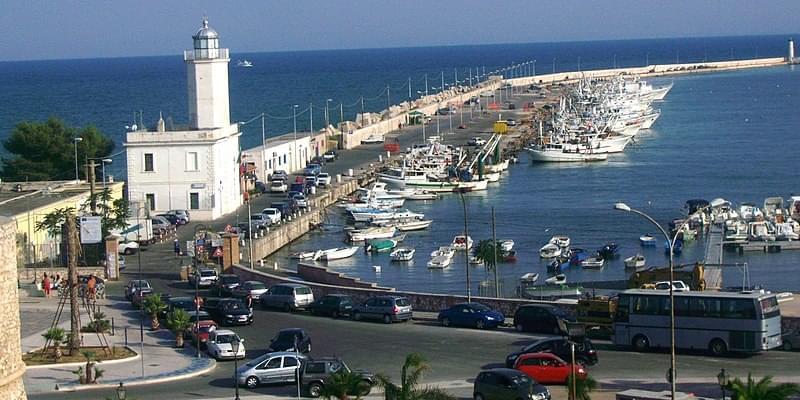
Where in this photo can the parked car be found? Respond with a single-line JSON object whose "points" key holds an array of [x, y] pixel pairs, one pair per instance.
{"points": [[791, 340], [317, 373], [278, 186], [330, 156], [312, 170], [128, 248], [228, 311], [198, 332], [677, 286], [201, 316], [137, 298], [273, 214], [511, 121], [584, 351], [203, 277], [172, 218], [297, 187], [284, 207], [160, 224], [261, 187], [175, 303], [476, 141], [183, 215], [386, 308], [334, 305], [219, 345], [318, 160], [253, 288], [504, 384], [280, 367], [287, 296], [291, 339], [547, 368], [133, 286], [225, 284], [541, 318], [279, 175], [259, 221], [323, 179], [474, 315], [310, 181], [301, 200]]}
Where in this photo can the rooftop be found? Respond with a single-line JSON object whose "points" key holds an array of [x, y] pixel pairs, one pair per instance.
{"points": [[35, 195]]}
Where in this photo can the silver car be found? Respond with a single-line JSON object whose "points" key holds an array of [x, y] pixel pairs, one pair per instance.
{"points": [[280, 367], [287, 296]]}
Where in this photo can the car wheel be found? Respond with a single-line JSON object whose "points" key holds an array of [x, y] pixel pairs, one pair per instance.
{"points": [[357, 316], [640, 343], [335, 314], [480, 324], [387, 319], [363, 388], [314, 389], [445, 321], [787, 346], [478, 396], [127, 252], [251, 382], [717, 347], [519, 328], [287, 308]]}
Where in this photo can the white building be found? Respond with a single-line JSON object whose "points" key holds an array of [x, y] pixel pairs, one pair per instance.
{"points": [[196, 169]]}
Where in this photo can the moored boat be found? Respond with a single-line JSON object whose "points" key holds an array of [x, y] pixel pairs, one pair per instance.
{"points": [[302, 255], [529, 278], [381, 245], [558, 279], [560, 241], [402, 254], [461, 243], [635, 261], [550, 251], [446, 251], [375, 232], [647, 241], [439, 262], [336, 253], [595, 262]]}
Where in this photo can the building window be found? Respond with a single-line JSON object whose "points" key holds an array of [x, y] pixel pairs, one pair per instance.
{"points": [[194, 201], [284, 158], [148, 162], [151, 200], [191, 161]]}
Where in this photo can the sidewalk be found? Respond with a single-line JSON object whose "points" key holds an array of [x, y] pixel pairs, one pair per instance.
{"points": [[160, 361]]}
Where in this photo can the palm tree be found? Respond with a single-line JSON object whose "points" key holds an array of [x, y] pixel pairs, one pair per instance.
{"points": [[583, 386], [413, 368], [343, 384], [488, 252], [761, 390], [178, 320], [55, 335], [153, 305]]}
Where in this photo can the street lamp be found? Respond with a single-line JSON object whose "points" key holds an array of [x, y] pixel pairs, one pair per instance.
{"points": [[327, 116], [75, 142], [722, 379], [104, 162], [294, 144], [122, 393], [466, 244], [235, 347]]}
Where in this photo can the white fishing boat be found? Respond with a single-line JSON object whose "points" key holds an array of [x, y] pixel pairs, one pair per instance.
{"points": [[560, 241], [595, 262], [336, 253], [460, 243], [402, 254], [492, 177], [635, 261], [506, 244], [559, 279], [420, 195], [548, 153], [439, 262], [529, 278], [550, 251], [375, 232], [413, 225], [445, 251], [302, 255], [405, 215], [499, 167]]}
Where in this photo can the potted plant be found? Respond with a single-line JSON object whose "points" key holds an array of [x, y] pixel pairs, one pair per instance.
{"points": [[153, 305], [178, 321], [56, 336]]}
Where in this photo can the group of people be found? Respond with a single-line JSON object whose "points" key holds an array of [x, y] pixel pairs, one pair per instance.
{"points": [[48, 285]]}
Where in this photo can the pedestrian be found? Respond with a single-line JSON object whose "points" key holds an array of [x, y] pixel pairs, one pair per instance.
{"points": [[57, 282], [177, 246], [249, 302], [91, 285], [46, 285], [198, 302]]}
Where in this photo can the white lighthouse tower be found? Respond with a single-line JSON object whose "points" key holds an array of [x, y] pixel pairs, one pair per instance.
{"points": [[790, 57], [195, 169]]}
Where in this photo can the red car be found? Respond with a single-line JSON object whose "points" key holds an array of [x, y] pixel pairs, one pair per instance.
{"points": [[205, 326], [547, 368]]}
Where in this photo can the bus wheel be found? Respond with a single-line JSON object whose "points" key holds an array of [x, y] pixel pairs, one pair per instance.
{"points": [[717, 347], [640, 343]]}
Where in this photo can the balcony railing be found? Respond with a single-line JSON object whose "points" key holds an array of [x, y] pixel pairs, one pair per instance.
{"points": [[204, 54]]}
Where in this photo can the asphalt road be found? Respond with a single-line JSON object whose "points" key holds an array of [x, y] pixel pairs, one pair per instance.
{"points": [[456, 355]]}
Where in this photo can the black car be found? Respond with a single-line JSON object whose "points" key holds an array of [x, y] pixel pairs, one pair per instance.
{"points": [[316, 374], [172, 218], [584, 351], [228, 311], [319, 160], [504, 384], [174, 303], [261, 187], [225, 284], [333, 305], [541, 318], [287, 339]]}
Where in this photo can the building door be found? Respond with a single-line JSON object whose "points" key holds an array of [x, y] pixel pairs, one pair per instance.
{"points": [[194, 201]]}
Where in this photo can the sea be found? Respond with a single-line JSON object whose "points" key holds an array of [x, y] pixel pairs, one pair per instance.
{"points": [[728, 134]]}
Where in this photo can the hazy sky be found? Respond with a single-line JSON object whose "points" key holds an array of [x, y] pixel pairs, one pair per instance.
{"points": [[55, 29]]}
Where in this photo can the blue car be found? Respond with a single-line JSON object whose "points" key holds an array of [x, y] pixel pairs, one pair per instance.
{"points": [[471, 314]]}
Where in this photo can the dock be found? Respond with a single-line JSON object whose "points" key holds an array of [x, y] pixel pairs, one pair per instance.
{"points": [[771, 246], [713, 257]]}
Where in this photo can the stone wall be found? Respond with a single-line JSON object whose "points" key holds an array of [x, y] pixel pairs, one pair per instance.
{"points": [[313, 273], [11, 366]]}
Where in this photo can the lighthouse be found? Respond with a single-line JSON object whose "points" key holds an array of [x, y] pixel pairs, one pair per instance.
{"points": [[790, 55], [207, 80]]}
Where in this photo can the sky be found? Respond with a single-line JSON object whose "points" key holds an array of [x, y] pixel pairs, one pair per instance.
{"points": [[62, 29]]}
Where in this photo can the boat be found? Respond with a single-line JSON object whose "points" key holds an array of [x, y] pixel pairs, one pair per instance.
{"points": [[244, 64], [529, 278], [459, 243], [577, 255], [508, 256], [381, 245], [595, 262], [376, 268], [785, 231], [492, 177], [760, 231], [558, 279], [302, 255], [421, 195], [635, 261], [499, 167], [413, 225], [336, 253], [475, 260], [608, 251], [372, 139], [560, 241], [550, 251], [402, 254], [506, 244], [375, 232], [446, 251], [547, 153], [439, 262], [647, 241], [551, 292]]}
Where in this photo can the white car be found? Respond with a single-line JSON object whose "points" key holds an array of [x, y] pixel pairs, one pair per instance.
{"points": [[203, 277], [476, 141], [301, 200], [219, 345], [128, 248], [677, 286], [272, 214], [324, 179], [278, 186], [511, 122]]}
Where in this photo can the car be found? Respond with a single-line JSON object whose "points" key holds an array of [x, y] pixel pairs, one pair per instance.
{"points": [[548, 368], [278, 186], [310, 181], [183, 215], [279, 175], [172, 218], [301, 200], [128, 248], [474, 315], [677, 286], [261, 187], [133, 286], [291, 339], [330, 156], [511, 121], [791, 339], [225, 284], [316, 373], [219, 345], [259, 221], [160, 224], [174, 303], [228, 311], [297, 187], [138, 296], [476, 141], [273, 214], [198, 332], [584, 351], [542, 318], [287, 296], [386, 308], [323, 179], [203, 277], [319, 160], [253, 288], [195, 316], [284, 207], [312, 170], [334, 305], [505, 383], [279, 367], [243, 230]]}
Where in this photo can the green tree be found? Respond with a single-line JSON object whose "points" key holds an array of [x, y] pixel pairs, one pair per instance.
{"points": [[178, 321], [342, 385], [44, 150], [153, 305], [56, 336], [583, 387], [413, 368], [761, 390], [485, 251], [114, 213]]}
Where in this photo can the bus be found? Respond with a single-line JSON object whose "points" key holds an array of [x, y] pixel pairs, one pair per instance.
{"points": [[716, 321]]}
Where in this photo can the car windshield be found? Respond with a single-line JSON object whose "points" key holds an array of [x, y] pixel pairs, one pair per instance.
{"points": [[257, 286], [232, 306], [480, 307], [287, 336], [401, 302], [230, 279], [207, 272], [534, 345], [256, 217], [521, 380], [227, 338], [205, 329], [277, 183]]}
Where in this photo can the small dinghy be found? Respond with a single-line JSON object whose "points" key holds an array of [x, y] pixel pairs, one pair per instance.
{"points": [[303, 255], [559, 279], [608, 251], [402, 254], [529, 278], [560, 241], [647, 241], [635, 261], [550, 251], [595, 262]]}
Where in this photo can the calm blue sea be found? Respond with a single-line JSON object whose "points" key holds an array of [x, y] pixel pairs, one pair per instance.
{"points": [[731, 135]]}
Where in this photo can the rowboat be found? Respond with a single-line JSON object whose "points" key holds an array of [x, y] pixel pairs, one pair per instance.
{"points": [[336, 253], [595, 262], [647, 241], [550, 251], [402, 254], [560, 241], [635, 261]]}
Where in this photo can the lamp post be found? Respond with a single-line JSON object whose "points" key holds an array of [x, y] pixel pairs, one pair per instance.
{"points": [[294, 144], [139, 284], [104, 162], [75, 143], [235, 347], [722, 379], [327, 115], [534, 67], [122, 393], [197, 229], [466, 245]]}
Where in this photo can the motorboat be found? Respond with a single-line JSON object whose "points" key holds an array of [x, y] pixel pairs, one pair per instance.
{"points": [[508, 256], [635, 261], [402, 254], [397, 216], [413, 225], [595, 262], [576, 256], [445, 251], [375, 232], [302, 255], [381, 245], [529, 278], [372, 139], [506, 244], [460, 243], [736, 231], [475, 260], [760, 231], [560, 241], [550, 251], [785, 231], [608, 251], [439, 262], [244, 64], [558, 279], [336, 253], [647, 241], [421, 195]]}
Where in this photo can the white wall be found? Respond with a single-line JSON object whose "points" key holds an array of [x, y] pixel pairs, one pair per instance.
{"points": [[278, 150], [207, 85]]}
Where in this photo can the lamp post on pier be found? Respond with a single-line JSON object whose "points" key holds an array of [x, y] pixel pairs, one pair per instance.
{"points": [[75, 142], [466, 245], [327, 114]]}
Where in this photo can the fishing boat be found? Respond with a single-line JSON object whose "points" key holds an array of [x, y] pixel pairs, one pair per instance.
{"points": [[506, 244], [381, 245], [421, 195], [445, 251], [550, 251], [460, 243], [499, 167], [558, 279], [413, 225], [595, 262], [608, 251], [555, 153], [302, 255], [560, 241], [635, 261], [375, 232], [439, 262], [244, 64], [336, 253], [492, 177], [529, 278], [647, 241], [402, 254]]}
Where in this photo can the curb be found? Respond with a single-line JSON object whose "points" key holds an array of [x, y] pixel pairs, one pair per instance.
{"points": [[137, 382], [81, 363]]}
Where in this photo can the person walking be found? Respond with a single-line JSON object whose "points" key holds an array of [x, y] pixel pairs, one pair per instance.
{"points": [[177, 246], [91, 285], [46, 285]]}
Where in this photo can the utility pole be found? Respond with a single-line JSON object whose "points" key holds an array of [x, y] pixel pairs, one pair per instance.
{"points": [[426, 84], [311, 119], [494, 264], [409, 88], [72, 265], [90, 177]]}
